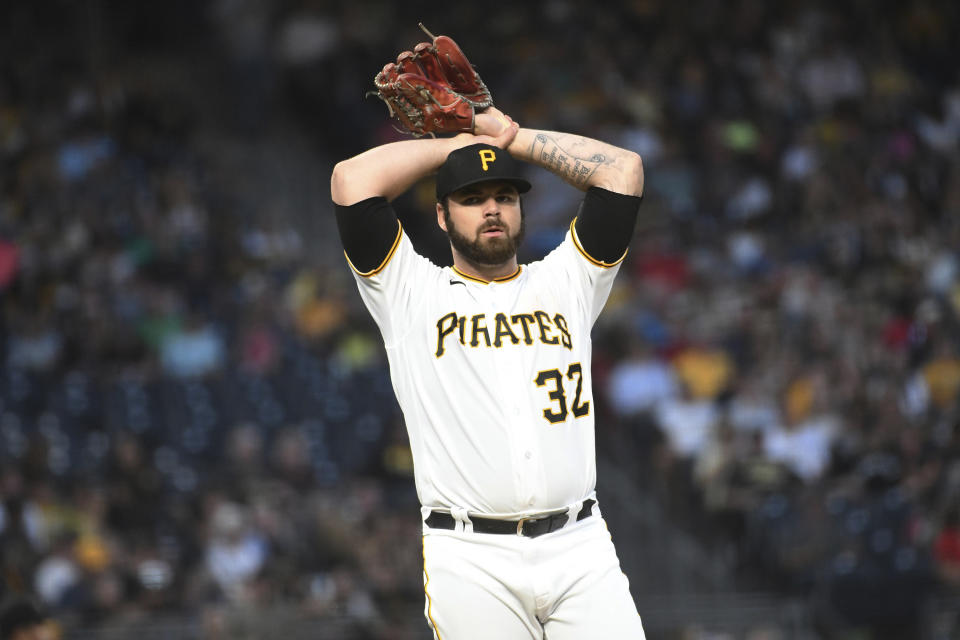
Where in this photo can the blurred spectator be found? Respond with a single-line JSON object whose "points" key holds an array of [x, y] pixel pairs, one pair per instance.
{"points": [[235, 552], [9, 255], [195, 351], [640, 381], [58, 573], [941, 373], [20, 619], [290, 458], [688, 422], [35, 349], [706, 372], [947, 548], [21, 530], [751, 409], [804, 447]]}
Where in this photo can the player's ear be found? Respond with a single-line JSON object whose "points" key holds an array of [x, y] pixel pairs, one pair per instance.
{"points": [[441, 216]]}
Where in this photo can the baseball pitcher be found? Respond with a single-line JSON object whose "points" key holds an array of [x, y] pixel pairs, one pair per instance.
{"points": [[490, 359]]}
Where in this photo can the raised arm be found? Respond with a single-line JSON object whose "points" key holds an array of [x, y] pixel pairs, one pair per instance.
{"points": [[580, 161], [391, 169], [606, 219], [387, 170]]}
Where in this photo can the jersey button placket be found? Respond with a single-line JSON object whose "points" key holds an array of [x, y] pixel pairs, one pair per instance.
{"points": [[510, 360], [528, 454]]}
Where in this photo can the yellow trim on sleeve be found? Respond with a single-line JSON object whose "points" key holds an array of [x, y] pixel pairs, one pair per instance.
{"points": [[393, 249], [425, 592], [482, 281], [591, 259]]}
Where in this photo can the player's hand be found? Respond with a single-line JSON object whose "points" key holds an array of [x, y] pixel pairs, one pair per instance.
{"points": [[494, 127], [491, 122]]}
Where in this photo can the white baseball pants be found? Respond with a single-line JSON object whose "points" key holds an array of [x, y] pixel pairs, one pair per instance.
{"points": [[565, 585]]}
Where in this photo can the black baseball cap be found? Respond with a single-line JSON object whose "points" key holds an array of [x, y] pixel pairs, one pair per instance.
{"points": [[478, 163]]}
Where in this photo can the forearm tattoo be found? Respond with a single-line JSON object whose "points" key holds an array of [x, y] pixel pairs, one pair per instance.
{"points": [[576, 170]]}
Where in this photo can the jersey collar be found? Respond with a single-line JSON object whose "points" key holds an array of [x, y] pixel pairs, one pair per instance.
{"points": [[508, 278]]}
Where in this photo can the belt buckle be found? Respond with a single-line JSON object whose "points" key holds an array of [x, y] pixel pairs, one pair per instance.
{"points": [[520, 524]]}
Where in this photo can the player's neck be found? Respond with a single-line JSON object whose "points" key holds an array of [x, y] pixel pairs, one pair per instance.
{"points": [[485, 272]]}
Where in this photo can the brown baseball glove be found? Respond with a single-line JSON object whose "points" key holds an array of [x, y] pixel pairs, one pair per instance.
{"points": [[433, 89]]}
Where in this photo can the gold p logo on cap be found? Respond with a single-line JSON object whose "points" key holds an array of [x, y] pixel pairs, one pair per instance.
{"points": [[486, 156]]}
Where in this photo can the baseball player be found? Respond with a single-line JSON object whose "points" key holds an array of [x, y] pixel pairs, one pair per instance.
{"points": [[490, 362]]}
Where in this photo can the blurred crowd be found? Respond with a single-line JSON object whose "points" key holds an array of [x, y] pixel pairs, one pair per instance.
{"points": [[195, 414]]}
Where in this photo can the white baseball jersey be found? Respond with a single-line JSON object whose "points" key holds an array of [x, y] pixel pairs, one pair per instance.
{"points": [[493, 377]]}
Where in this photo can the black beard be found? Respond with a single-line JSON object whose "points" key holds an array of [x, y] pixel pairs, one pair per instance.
{"points": [[490, 252]]}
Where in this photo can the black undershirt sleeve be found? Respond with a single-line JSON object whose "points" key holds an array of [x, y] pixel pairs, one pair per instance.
{"points": [[368, 231], [605, 223]]}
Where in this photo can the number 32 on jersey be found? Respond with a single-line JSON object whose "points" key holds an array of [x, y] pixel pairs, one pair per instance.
{"points": [[554, 381]]}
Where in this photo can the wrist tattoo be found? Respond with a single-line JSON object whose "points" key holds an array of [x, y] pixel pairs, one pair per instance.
{"points": [[572, 168]]}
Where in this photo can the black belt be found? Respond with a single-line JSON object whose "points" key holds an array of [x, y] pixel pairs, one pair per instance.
{"points": [[529, 527]]}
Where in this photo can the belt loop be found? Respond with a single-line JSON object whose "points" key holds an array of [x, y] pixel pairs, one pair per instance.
{"points": [[462, 517], [574, 511], [520, 523]]}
